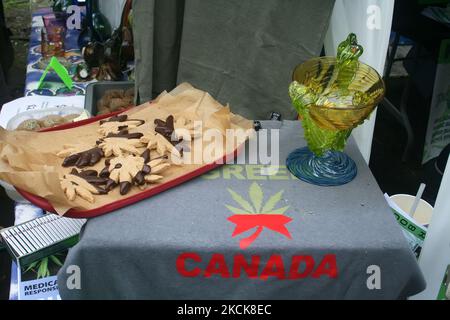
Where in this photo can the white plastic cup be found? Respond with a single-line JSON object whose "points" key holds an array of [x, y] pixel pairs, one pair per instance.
{"points": [[423, 212]]}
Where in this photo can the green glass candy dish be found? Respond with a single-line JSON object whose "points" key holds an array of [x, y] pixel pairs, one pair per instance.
{"points": [[332, 95]]}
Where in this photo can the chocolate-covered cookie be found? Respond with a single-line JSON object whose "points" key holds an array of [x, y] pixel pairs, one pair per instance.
{"points": [[116, 124], [84, 159], [74, 186], [127, 171]]}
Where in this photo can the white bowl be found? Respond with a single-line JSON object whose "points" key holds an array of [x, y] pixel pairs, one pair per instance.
{"points": [[15, 121]]}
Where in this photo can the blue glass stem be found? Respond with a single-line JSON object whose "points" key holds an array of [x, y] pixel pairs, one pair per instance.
{"points": [[334, 168]]}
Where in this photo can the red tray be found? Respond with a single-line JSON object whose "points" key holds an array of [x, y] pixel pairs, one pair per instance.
{"points": [[44, 204]]}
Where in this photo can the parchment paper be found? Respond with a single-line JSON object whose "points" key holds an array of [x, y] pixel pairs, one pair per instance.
{"points": [[28, 160]]}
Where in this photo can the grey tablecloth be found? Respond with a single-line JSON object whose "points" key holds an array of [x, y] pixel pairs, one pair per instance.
{"points": [[132, 253]]}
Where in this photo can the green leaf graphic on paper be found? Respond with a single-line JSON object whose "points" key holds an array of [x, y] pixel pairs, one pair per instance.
{"points": [[244, 203], [32, 266], [256, 195], [43, 269], [56, 261], [272, 202]]}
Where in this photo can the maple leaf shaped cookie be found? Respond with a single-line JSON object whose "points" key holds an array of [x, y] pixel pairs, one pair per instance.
{"points": [[186, 130], [129, 170], [92, 177], [149, 172], [117, 124], [156, 141], [71, 149], [80, 155], [165, 128], [123, 170], [74, 186], [120, 146], [115, 127], [125, 134], [177, 133]]}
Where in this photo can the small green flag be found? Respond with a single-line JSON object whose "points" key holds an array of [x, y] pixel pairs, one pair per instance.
{"points": [[60, 70]]}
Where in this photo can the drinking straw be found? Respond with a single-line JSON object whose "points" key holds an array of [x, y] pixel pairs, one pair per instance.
{"points": [[419, 194]]}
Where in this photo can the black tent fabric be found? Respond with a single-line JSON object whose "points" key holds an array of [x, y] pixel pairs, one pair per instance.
{"points": [[241, 52], [6, 52], [6, 56]]}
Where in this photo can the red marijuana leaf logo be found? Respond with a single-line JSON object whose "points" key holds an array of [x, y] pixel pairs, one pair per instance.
{"points": [[255, 215]]}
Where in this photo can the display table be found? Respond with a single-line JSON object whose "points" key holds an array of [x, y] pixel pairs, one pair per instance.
{"points": [[179, 244]]}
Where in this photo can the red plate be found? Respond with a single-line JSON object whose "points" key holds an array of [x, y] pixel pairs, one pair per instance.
{"points": [[44, 204]]}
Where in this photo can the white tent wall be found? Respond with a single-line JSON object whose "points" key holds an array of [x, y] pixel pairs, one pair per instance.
{"points": [[371, 21], [435, 255]]}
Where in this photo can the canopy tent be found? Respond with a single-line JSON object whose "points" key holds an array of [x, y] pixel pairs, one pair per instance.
{"points": [[204, 42], [243, 54]]}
